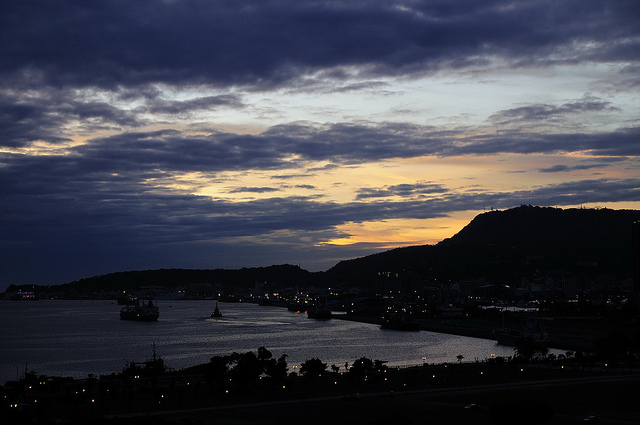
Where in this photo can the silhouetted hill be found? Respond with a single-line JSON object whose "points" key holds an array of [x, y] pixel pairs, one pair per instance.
{"points": [[510, 244], [285, 275], [500, 246], [539, 226]]}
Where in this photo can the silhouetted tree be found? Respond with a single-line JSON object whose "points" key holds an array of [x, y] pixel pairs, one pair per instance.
{"points": [[217, 370], [361, 366], [264, 354], [276, 370], [379, 365], [527, 348], [313, 368], [619, 346], [247, 368]]}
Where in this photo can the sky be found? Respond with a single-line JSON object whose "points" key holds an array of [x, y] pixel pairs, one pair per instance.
{"points": [[208, 134]]}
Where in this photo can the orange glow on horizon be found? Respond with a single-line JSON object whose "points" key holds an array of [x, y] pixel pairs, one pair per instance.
{"points": [[403, 232]]}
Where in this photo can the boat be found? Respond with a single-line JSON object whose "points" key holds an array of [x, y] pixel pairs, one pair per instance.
{"points": [[298, 303], [320, 312], [151, 368], [532, 330], [296, 307], [399, 323], [216, 312], [140, 311]]}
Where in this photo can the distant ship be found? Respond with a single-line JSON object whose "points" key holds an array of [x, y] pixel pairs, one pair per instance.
{"points": [[399, 323], [141, 311], [216, 312], [148, 369], [533, 330], [298, 303], [320, 312], [22, 296]]}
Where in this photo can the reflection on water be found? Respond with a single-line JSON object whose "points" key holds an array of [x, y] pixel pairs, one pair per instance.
{"points": [[75, 338]]}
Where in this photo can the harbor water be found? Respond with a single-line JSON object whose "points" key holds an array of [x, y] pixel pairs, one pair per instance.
{"points": [[77, 338]]}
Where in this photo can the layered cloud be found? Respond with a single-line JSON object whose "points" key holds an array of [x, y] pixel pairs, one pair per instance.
{"points": [[265, 43], [169, 133]]}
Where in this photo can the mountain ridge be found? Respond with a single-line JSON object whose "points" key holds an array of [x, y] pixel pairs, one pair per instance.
{"points": [[498, 246], [561, 240]]}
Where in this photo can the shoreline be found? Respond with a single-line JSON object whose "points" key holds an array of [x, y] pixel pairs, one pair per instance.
{"points": [[564, 334]]}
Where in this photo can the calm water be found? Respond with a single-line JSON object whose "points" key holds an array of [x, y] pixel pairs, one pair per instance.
{"points": [[75, 338]]}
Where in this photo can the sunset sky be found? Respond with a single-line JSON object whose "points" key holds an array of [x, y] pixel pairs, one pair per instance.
{"points": [[225, 134]]}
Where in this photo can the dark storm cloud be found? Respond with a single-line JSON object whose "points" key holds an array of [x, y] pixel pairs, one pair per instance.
{"points": [[57, 203], [340, 144], [254, 190], [622, 142], [263, 43], [115, 182], [403, 190], [560, 168], [202, 103], [539, 113], [21, 124], [168, 151], [43, 116]]}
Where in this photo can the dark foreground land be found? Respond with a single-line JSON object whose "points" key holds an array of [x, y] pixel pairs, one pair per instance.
{"points": [[569, 402], [504, 393]]}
